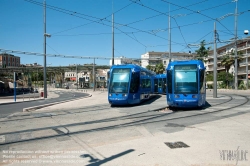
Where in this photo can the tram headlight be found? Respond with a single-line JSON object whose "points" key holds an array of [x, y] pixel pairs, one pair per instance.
{"points": [[194, 96], [124, 95], [176, 96], [110, 94]]}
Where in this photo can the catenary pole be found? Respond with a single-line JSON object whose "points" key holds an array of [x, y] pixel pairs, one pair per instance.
{"points": [[113, 40], [215, 64], [169, 34], [44, 65], [94, 75], [236, 60]]}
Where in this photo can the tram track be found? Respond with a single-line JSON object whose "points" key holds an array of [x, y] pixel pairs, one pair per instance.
{"points": [[129, 120], [35, 114]]}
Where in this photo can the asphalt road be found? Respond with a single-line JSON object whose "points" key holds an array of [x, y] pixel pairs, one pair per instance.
{"points": [[10, 108]]}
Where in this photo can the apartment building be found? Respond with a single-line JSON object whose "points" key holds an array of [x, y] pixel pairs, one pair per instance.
{"points": [[243, 46], [8, 60], [154, 58]]}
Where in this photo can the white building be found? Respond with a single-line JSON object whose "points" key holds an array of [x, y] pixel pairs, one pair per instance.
{"points": [[154, 58], [243, 46]]}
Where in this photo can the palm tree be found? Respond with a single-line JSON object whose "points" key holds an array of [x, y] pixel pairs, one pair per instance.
{"points": [[239, 57], [228, 60], [149, 67], [159, 68]]}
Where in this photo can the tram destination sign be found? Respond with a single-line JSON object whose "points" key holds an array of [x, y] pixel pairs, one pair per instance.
{"points": [[185, 67]]}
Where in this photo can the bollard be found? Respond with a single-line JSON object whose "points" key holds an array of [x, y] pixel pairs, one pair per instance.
{"points": [[29, 96], [23, 96]]}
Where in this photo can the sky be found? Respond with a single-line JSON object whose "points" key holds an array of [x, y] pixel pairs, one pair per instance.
{"points": [[84, 27]]}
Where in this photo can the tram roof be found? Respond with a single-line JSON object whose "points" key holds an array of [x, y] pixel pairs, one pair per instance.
{"points": [[137, 67], [188, 62]]}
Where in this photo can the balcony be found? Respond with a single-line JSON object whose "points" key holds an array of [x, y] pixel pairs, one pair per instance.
{"points": [[210, 57], [221, 68], [243, 64], [241, 72], [243, 47]]}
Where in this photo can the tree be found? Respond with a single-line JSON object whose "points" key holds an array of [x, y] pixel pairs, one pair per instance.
{"points": [[209, 77], [149, 67], [159, 68], [224, 76], [202, 52]]}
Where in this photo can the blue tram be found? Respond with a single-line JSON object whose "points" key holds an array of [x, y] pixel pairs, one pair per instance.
{"points": [[130, 84], [160, 83], [186, 84]]}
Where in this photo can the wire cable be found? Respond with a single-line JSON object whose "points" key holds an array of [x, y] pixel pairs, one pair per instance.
{"points": [[166, 15], [94, 21], [197, 12]]}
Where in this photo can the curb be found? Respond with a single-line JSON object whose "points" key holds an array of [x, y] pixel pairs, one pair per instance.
{"points": [[50, 104], [13, 102]]}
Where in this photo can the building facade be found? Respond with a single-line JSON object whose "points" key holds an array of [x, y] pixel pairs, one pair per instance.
{"points": [[8, 60], [243, 47], [154, 58]]}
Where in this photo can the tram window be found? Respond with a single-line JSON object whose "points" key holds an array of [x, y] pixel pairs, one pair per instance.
{"points": [[146, 83], [186, 81], [160, 82], [169, 81], [119, 81], [202, 81], [135, 82]]}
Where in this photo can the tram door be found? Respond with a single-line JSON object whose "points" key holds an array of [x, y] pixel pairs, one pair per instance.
{"points": [[164, 85], [156, 85]]}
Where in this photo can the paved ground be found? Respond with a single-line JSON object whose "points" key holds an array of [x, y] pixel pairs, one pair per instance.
{"points": [[223, 142]]}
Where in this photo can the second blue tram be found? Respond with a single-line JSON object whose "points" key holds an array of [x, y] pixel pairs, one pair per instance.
{"points": [[129, 84], [160, 83], [186, 84]]}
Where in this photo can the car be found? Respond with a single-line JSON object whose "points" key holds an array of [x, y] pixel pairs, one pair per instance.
{"points": [[66, 87]]}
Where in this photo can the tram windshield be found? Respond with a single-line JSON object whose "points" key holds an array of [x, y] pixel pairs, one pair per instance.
{"points": [[185, 79], [119, 81]]}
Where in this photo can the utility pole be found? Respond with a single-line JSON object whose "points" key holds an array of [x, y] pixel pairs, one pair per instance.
{"points": [[94, 75], [44, 65], [113, 39], [215, 63], [14, 86], [169, 34], [76, 79], [236, 60], [37, 78]]}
